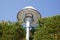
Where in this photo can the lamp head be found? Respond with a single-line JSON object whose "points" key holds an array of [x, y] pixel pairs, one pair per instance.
{"points": [[29, 12]]}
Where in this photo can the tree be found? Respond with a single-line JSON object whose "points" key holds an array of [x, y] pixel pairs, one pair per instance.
{"points": [[11, 31], [48, 29]]}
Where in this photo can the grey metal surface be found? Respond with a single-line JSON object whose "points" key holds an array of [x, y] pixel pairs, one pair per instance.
{"points": [[22, 14]]}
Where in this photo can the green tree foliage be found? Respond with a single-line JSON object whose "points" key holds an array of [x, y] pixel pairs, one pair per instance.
{"points": [[48, 29], [11, 31]]}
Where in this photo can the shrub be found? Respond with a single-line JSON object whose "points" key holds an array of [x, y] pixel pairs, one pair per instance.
{"points": [[11, 31], [48, 29]]}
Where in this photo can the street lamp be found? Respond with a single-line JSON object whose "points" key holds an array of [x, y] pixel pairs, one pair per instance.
{"points": [[30, 16]]}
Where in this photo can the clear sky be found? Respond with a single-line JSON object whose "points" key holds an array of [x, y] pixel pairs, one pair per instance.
{"points": [[10, 8]]}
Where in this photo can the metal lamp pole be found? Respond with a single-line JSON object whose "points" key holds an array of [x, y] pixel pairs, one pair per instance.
{"points": [[27, 30], [28, 22]]}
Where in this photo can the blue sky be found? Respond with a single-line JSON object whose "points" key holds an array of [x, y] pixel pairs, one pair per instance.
{"points": [[10, 8]]}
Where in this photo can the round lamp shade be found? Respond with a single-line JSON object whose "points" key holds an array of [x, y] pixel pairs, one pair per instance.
{"points": [[28, 11]]}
